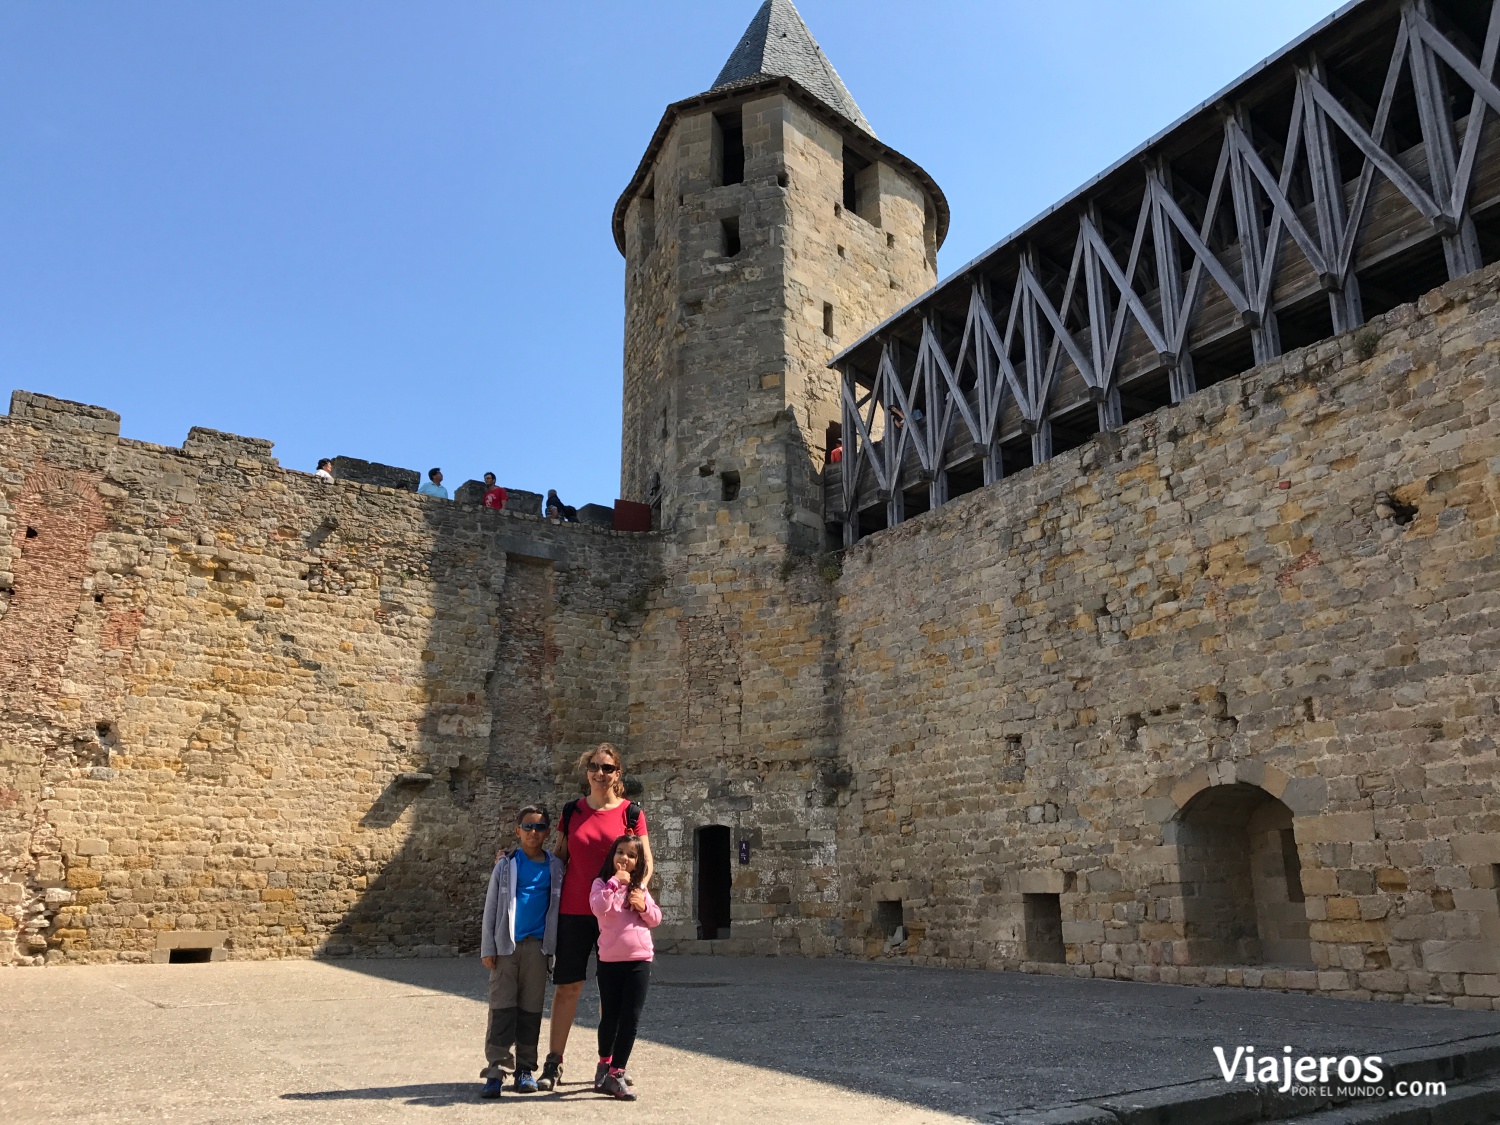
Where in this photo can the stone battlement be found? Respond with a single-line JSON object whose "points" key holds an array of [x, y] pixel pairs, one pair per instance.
{"points": [[63, 416]]}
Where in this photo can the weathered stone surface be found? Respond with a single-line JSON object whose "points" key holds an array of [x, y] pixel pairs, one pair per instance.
{"points": [[373, 472], [214, 675], [1242, 634]]}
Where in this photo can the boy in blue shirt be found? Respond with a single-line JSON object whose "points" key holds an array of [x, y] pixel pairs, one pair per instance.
{"points": [[518, 941]]}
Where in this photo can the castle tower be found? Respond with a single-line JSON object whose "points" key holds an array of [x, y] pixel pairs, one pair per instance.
{"points": [[765, 228]]}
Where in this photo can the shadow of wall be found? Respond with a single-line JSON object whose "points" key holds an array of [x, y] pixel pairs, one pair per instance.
{"points": [[271, 715], [529, 641]]}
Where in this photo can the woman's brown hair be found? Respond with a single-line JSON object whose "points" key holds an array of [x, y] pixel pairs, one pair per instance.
{"points": [[608, 749], [608, 870]]}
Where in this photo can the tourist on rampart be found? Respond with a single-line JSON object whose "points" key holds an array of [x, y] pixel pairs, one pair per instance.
{"points": [[518, 939], [589, 828], [836, 454], [325, 469], [626, 913], [494, 495], [557, 510], [433, 485]]}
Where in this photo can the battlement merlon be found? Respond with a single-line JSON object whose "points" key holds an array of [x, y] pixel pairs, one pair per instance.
{"points": [[48, 413]]}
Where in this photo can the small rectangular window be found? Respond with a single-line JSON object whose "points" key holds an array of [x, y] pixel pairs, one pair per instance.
{"points": [[730, 232], [648, 222], [731, 147], [861, 187], [729, 484], [827, 319], [889, 917], [854, 164]]}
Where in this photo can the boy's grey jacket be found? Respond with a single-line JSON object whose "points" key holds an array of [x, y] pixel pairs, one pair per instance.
{"points": [[499, 934]]}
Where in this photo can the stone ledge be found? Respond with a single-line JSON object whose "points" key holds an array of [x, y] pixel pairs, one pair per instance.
{"points": [[50, 413]]}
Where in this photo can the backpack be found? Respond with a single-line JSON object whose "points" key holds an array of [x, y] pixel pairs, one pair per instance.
{"points": [[632, 817]]}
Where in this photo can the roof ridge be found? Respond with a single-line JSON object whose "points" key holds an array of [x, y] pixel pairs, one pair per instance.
{"points": [[778, 44]]}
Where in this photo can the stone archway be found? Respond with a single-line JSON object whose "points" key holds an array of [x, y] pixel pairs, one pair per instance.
{"points": [[1240, 879]]}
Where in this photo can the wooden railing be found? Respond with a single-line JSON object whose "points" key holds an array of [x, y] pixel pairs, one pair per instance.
{"points": [[1348, 174]]}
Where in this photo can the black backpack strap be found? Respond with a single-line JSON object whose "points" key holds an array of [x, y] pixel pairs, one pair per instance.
{"points": [[567, 816], [632, 818]]}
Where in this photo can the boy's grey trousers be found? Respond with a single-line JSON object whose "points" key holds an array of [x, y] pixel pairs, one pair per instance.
{"points": [[518, 990]]}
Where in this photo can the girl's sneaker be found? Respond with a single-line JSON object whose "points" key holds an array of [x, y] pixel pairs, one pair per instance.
{"points": [[601, 1070], [614, 1086], [551, 1076]]}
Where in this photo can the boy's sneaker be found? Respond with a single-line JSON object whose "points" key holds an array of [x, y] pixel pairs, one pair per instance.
{"points": [[494, 1086], [614, 1086], [551, 1076], [525, 1083]]}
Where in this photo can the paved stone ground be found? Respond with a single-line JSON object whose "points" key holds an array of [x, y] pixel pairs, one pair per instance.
{"points": [[728, 1040]]}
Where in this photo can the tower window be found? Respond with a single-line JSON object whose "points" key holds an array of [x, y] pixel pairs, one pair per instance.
{"points": [[729, 133], [827, 320], [647, 226], [861, 186], [730, 236], [729, 484]]}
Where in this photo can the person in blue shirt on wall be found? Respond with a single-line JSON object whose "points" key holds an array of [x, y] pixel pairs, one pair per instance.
{"points": [[433, 485], [517, 944]]}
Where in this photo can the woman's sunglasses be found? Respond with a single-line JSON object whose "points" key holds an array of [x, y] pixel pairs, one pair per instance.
{"points": [[602, 767]]}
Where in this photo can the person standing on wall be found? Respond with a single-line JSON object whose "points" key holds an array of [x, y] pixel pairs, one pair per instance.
{"points": [[494, 494], [433, 485], [589, 828]]}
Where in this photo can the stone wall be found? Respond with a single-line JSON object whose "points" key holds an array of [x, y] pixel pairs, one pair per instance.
{"points": [[1080, 681], [247, 709]]}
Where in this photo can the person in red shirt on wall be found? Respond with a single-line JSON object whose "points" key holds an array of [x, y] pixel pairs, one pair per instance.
{"points": [[590, 826], [494, 496], [836, 454]]}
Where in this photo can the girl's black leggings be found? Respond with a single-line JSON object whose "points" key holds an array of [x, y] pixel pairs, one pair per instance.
{"points": [[622, 995]]}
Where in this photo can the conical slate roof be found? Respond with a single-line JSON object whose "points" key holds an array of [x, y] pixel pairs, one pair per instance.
{"points": [[778, 44]]}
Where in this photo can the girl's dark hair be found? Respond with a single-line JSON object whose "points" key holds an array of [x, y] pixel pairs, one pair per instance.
{"points": [[608, 870]]}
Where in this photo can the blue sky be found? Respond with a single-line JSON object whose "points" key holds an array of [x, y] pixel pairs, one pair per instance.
{"points": [[381, 229]]}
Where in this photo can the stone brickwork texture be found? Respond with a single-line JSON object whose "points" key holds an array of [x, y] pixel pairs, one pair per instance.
{"points": [[1042, 682], [244, 702]]}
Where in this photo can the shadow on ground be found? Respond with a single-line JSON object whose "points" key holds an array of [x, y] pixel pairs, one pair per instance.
{"points": [[966, 1041], [425, 1093]]}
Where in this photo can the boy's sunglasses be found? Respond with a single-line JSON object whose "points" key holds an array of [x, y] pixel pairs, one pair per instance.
{"points": [[602, 767], [535, 826]]}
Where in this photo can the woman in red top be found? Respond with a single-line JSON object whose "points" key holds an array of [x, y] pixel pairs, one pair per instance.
{"points": [[594, 823]]}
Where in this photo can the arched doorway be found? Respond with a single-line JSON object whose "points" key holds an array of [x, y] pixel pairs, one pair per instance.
{"points": [[712, 876], [1241, 879]]}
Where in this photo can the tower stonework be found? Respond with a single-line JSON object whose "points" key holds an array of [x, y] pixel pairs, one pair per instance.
{"points": [[765, 228]]}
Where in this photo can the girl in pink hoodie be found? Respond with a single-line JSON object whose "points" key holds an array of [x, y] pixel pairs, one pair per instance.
{"points": [[627, 913]]}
